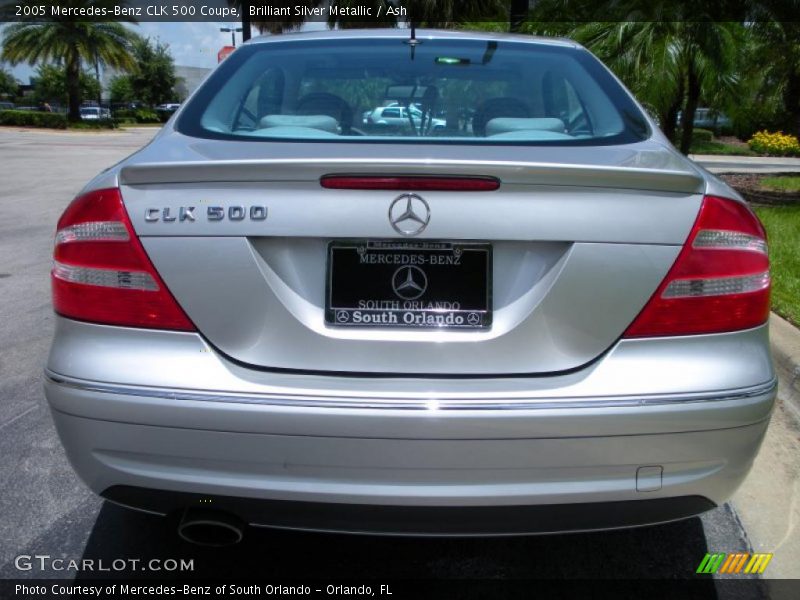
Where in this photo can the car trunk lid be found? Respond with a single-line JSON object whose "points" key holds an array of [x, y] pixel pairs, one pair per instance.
{"points": [[577, 249]]}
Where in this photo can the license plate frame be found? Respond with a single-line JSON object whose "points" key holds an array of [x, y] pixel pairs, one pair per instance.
{"points": [[444, 271]]}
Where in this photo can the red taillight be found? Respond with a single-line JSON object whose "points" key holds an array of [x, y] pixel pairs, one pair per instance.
{"points": [[720, 280], [101, 272], [411, 183]]}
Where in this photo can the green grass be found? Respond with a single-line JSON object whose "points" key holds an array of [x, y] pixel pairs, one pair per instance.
{"points": [[785, 183], [783, 233], [699, 147]]}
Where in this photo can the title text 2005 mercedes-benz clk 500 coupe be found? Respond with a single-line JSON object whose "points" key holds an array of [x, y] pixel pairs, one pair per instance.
{"points": [[519, 311]]}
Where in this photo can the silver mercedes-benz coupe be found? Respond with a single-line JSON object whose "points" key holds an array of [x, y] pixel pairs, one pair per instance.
{"points": [[520, 311]]}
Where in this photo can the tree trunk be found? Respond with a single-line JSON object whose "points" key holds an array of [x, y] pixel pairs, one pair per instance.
{"points": [[246, 30], [687, 120], [791, 101], [517, 15], [669, 123], [99, 83], [74, 87]]}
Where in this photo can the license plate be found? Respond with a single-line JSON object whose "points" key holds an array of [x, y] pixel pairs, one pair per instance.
{"points": [[421, 285]]}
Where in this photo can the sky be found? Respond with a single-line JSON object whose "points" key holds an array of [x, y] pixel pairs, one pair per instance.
{"points": [[192, 44]]}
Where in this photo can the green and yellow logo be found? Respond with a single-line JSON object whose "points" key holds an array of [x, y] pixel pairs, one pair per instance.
{"points": [[738, 562]]}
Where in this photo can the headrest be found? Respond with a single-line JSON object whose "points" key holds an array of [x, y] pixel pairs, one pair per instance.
{"points": [[322, 122], [527, 135], [508, 124]]}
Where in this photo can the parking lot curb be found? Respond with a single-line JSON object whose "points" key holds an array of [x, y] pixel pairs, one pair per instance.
{"points": [[785, 342]]}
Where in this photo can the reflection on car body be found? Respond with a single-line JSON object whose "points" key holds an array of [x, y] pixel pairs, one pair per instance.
{"points": [[396, 115]]}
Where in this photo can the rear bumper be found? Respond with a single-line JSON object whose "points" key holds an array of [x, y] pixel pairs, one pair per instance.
{"points": [[414, 486], [422, 520], [413, 456], [456, 484]]}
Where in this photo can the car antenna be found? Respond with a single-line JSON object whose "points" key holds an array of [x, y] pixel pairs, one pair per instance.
{"points": [[413, 42]]}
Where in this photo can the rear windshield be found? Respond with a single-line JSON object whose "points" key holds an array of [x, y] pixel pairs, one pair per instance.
{"points": [[438, 91]]}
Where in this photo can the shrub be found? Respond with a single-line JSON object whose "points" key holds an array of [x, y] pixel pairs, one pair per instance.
{"points": [[123, 114], [27, 118], [702, 135], [143, 115], [726, 130], [140, 115], [774, 144], [99, 124]]}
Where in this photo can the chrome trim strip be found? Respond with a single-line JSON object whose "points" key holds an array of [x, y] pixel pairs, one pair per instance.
{"points": [[426, 404]]}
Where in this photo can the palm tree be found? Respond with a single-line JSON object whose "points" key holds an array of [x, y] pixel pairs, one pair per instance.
{"points": [[669, 54], [776, 58], [669, 64], [770, 74], [517, 15], [70, 43]]}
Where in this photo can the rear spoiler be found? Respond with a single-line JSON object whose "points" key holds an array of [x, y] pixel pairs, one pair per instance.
{"points": [[521, 173]]}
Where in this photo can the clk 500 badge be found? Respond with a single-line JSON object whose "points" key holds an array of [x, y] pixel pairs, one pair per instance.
{"points": [[171, 214]]}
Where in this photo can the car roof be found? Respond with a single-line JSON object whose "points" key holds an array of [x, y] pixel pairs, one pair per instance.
{"points": [[425, 34]]}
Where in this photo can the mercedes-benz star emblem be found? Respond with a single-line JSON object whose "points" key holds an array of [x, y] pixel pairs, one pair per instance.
{"points": [[409, 214], [409, 282]]}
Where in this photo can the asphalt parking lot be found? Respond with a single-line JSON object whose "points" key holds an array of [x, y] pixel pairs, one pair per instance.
{"points": [[46, 510]]}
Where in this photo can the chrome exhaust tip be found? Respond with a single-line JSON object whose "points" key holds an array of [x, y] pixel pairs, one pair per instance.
{"points": [[210, 527]]}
